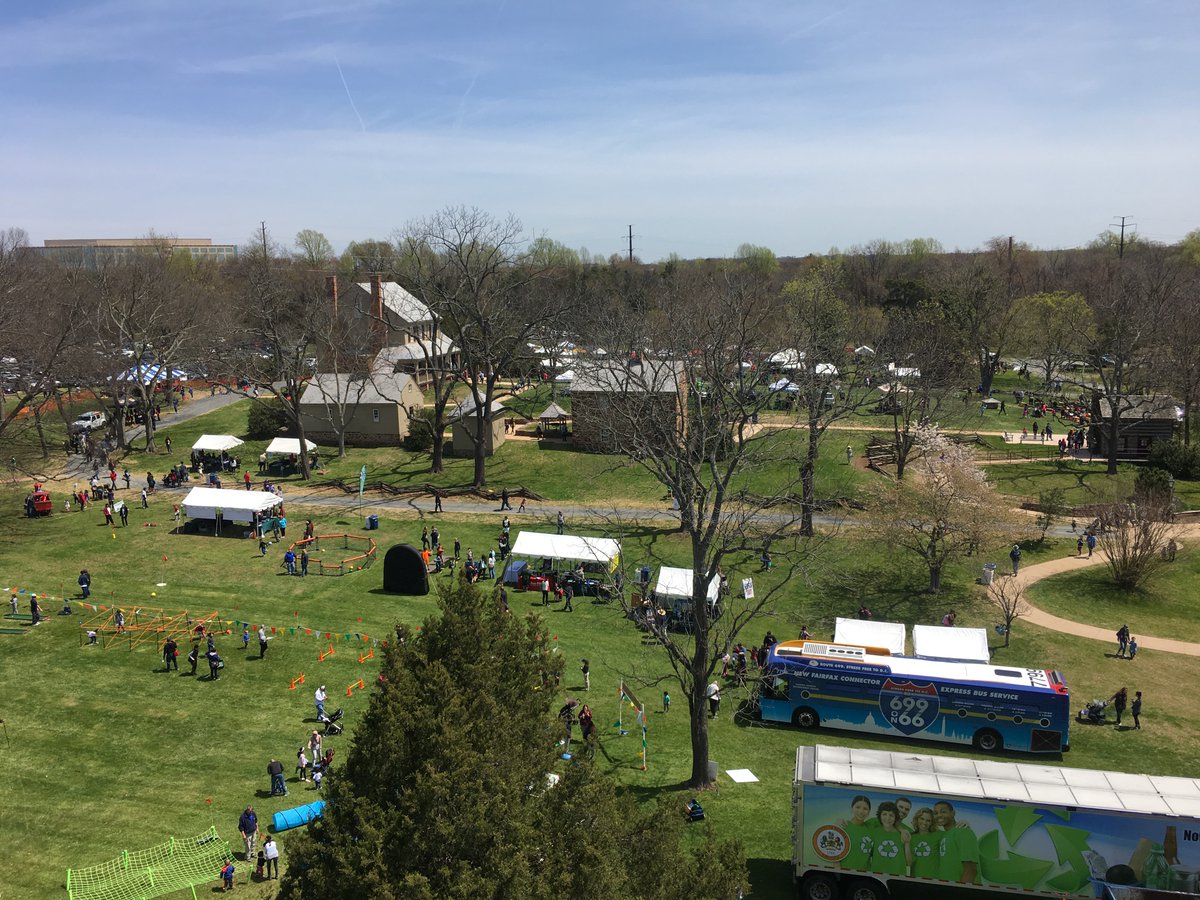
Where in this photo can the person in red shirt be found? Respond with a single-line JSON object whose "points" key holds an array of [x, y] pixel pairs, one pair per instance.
{"points": [[246, 478]]}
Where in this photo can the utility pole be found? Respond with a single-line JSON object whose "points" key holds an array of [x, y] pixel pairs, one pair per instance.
{"points": [[631, 243], [264, 238], [1121, 245]]}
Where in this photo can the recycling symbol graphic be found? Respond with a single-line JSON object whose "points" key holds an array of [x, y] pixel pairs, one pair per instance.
{"points": [[888, 849], [923, 849], [864, 845]]}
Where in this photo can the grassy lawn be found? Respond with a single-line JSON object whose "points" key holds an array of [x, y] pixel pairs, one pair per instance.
{"points": [[108, 752], [1084, 483], [555, 472], [1164, 608]]}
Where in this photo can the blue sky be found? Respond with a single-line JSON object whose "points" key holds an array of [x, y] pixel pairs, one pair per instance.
{"points": [[799, 126]]}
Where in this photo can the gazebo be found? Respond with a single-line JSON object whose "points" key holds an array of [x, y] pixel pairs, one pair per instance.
{"points": [[553, 417]]}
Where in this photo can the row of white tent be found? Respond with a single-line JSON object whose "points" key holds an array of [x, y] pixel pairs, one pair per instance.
{"points": [[929, 641], [215, 443]]}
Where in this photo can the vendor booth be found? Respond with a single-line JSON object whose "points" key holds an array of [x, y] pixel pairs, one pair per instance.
{"points": [[888, 636], [945, 642], [286, 453], [255, 509], [589, 564], [210, 453], [673, 594]]}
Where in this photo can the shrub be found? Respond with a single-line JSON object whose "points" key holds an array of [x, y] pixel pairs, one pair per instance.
{"points": [[1181, 461], [420, 432], [266, 419], [1153, 483]]}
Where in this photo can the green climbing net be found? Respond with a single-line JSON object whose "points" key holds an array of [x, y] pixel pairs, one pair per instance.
{"points": [[141, 874]]}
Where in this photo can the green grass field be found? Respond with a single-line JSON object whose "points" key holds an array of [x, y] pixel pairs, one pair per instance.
{"points": [[107, 752]]}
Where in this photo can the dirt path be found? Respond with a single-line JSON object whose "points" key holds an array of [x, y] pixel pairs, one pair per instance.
{"points": [[1031, 574]]}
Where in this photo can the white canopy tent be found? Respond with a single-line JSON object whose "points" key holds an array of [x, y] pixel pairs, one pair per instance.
{"points": [[235, 506], [215, 443], [677, 584], [950, 643], [286, 446], [566, 547], [869, 633]]}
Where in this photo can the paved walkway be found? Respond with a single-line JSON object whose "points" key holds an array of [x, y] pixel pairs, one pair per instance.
{"points": [[1030, 574]]}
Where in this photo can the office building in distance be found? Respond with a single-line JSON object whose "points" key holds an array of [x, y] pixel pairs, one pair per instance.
{"points": [[93, 251]]}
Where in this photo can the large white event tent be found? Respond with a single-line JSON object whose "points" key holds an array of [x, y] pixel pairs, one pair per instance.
{"points": [[949, 643], [215, 443], [677, 584], [235, 506], [567, 547], [288, 446], [869, 633]]}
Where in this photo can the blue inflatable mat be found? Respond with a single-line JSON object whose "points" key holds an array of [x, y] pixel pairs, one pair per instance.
{"points": [[297, 816]]}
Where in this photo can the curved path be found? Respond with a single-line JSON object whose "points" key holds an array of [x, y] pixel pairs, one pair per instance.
{"points": [[1030, 574]]}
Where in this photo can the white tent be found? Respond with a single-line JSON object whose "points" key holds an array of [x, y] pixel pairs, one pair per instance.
{"points": [[235, 506], [284, 446], [566, 546], [215, 443], [784, 385], [789, 358], [677, 584], [568, 375], [826, 370], [949, 643], [869, 633]]}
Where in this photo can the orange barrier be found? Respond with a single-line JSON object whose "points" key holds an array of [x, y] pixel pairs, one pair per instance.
{"points": [[355, 563], [354, 684], [295, 681], [370, 655], [324, 653]]}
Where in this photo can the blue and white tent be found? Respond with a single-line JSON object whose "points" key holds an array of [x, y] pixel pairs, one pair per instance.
{"points": [[151, 373]]}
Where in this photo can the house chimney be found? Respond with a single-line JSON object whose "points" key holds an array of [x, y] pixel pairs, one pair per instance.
{"points": [[331, 291], [378, 328]]}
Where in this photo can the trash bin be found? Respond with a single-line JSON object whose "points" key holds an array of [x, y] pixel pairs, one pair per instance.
{"points": [[373, 523], [989, 573], [713, 769]]}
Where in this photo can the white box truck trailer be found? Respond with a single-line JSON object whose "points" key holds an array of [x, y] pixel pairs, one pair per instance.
{"points": [[864, 821]]}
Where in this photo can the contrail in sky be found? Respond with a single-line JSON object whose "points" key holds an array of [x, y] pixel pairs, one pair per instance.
{"points": [[348, 97]]}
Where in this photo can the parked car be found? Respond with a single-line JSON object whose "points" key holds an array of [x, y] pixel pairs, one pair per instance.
{"points": [[89, 421]]}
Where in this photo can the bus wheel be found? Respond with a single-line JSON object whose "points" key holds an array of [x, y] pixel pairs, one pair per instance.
{"points": [[988, 741], [806, 717], [818, 886], [865, 889]]}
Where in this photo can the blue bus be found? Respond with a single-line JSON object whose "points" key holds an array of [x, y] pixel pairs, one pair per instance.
{"points": [[812, 684]]}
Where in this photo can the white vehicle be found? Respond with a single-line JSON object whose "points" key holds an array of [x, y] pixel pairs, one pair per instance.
{"points": [[89, 421], [865, 821]]}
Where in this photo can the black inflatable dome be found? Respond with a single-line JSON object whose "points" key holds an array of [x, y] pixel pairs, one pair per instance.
{"points": [[404, 571]]}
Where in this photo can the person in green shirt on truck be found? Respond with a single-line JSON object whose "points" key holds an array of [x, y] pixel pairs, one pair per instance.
{"points": [[891, 850], [923, 846], [860, 835], [958, 849]]}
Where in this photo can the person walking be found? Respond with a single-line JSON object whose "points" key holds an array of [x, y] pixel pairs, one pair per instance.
{"points": [[124, 511], [1079, 546], [1015, 555], [1133, 648], [271, 854], [262, 641], [304, 562], [302, 764], [289, 560], [586, 669], [193, 658], [314, 747], [561, 522], [504, 504], [1091, 543], [108, 519], [437, 501], [278, 785], [521, 508], [1135, 710], [246, 478], [248, 829], [127, 478], [714, 699], [214, 665], [167, 442], [145, 504], [457, 549], [568, 593], [320, 696], [849, 455], [425, 538], [1122, 641], [171, 654], [85, 583]]}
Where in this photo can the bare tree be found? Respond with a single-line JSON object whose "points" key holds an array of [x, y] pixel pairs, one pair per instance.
{"points": [[473, 271], [1137, 539], [1007, 596], [281, 312], [679, 392], [947, 512], [830, 383], [1177, 361]]}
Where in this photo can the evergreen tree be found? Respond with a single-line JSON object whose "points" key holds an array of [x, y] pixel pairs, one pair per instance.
{"points": [[445, 794]]}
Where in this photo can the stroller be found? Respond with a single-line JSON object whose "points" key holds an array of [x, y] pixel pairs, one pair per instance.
{"points": [[1093, 713], [332, 723]]}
